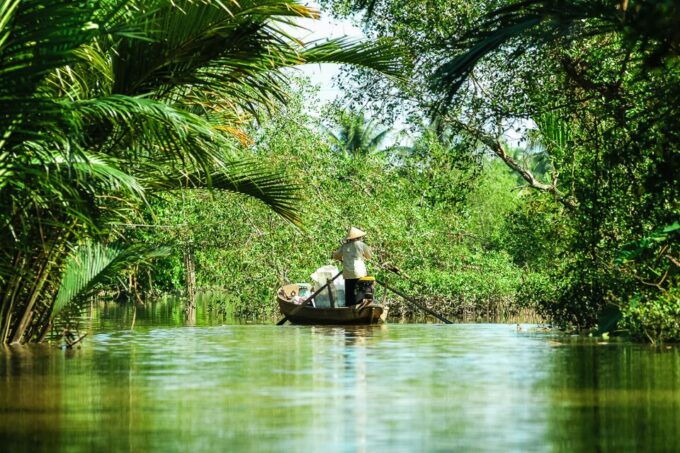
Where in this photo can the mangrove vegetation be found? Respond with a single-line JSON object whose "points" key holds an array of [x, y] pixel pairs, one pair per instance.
{"points": [[507, 157]]}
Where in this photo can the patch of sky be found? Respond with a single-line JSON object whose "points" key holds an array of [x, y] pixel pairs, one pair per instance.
{"points": [[324, 76]]}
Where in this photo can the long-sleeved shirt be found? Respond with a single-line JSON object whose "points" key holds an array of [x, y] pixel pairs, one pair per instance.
{"points": [[352, 254]]}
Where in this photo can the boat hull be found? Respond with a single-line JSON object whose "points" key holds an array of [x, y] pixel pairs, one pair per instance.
{"points": [[306, 314]]}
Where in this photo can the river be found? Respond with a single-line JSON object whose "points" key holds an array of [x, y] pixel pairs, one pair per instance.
{"points": [[162, 386]]}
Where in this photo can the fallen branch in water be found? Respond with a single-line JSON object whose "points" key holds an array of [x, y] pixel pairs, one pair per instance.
{"points": [[71, 340]]}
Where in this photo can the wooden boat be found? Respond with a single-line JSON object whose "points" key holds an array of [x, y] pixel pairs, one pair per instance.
{"points": [[307, 314]]}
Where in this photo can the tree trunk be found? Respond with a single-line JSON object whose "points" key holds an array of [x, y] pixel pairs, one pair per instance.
{"points": [[190, 279], [49, 258]]}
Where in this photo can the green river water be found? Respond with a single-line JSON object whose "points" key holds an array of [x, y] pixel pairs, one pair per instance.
{"points": [[167, 387]]}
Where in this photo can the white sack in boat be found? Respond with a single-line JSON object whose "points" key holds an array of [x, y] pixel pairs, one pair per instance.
{"points": [[320, 277]]}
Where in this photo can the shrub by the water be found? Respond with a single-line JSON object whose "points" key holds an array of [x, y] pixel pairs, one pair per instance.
{"points": [[655, 319]]}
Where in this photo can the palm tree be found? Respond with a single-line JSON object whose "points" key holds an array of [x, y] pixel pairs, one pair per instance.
{"points": [[104, 102], [357, 136]]}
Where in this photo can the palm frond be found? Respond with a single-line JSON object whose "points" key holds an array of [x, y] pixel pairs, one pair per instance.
{"points": [[449, 77], [37, 37], [555, 132], [531, 24], [154, 130], [92, 265], [378, 139], [382, 55], [7, 11], [256, 180], [357, 135], [203, 44], [246, 177], [235, 51], [81, 169], [64, 186]]}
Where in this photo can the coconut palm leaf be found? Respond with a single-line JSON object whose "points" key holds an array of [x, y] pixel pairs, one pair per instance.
{"points": [[378, 139], [7, 11], [63, 186], [202, 44], [138, 128], [449, 77], [92, 265], [380, 55], [87, 170], [256, 180], [246, 177], [67, 25], [357, 135], [36, 38], [236, 51]]}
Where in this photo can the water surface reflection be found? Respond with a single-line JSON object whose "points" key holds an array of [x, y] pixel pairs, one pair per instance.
{"points": [[393, 387]]}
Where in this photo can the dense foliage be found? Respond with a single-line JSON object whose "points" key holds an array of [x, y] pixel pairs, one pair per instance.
{"points": [[104, 104], [437, 213], [595, 84], [126, 127]]}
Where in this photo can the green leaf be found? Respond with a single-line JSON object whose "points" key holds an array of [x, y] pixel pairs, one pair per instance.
{"points": [[92, 265]]}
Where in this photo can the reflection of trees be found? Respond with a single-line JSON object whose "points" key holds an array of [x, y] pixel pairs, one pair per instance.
{"points": [[357, 423], [30, 399], [340, 370], [334, 388], [163, 311], [84, 399], [614, 397]]}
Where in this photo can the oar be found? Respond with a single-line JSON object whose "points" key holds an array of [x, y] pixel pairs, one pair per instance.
{"points": [[395, 270], [308, 300], [408, 299]]}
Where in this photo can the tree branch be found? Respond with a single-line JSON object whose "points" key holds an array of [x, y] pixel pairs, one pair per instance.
{"points": [[497, 148], [673, 260]]}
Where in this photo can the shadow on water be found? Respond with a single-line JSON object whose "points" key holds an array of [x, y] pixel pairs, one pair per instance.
{"points": [[615, 396]]}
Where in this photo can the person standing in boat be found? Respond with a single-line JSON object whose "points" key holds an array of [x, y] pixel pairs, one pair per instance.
{"points": [[352, 253]]}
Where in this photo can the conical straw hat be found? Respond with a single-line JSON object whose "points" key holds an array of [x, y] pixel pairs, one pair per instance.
{"points": [[355, 233]]}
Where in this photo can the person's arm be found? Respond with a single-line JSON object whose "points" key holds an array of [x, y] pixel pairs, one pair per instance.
{"points": [[337, 255], [368, 253]]}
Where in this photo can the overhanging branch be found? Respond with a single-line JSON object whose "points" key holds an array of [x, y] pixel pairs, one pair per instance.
{"points": [[497, 148]]}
